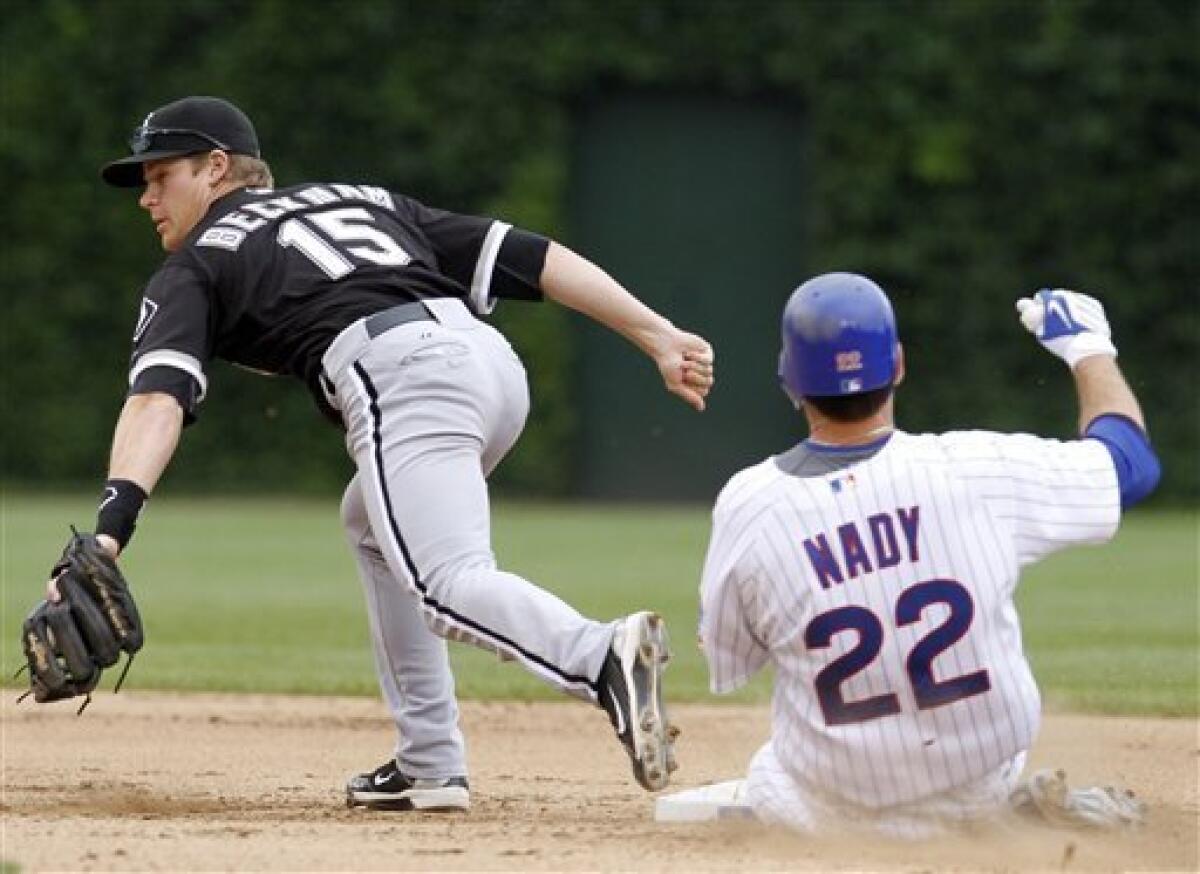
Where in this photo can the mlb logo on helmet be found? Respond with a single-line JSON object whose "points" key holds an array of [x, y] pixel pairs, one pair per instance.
{"points": [[844, 362]]}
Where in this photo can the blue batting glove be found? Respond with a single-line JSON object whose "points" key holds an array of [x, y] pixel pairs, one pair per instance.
{"points": [[1069, 324]]}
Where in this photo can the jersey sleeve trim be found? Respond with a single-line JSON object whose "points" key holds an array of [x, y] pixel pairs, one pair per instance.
{"points": [[481, 283], [171, 358]]}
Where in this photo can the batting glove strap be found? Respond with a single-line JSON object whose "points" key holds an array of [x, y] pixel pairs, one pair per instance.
{"points": [[1069, 324]]}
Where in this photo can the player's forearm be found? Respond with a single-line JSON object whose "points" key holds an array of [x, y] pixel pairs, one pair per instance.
{"points": [[577, 283], [146, 436], [1103, 390]]}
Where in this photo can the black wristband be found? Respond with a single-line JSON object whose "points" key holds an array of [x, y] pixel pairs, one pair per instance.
{"points": [[120, 505]]}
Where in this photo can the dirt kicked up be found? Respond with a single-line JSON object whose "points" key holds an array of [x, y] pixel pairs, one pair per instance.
{"points": [[148, 781]]}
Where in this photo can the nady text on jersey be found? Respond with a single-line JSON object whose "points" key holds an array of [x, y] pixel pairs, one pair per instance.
{"points": [[856, 559]]}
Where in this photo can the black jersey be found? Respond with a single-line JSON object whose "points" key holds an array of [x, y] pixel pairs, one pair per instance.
{"points": [[268, 278]]}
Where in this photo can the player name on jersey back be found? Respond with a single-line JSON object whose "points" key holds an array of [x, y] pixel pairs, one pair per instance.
{"points": [[231, 230], [852, 557]]}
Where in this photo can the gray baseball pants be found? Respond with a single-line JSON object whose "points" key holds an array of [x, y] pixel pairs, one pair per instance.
{"points": [[430, 408]]}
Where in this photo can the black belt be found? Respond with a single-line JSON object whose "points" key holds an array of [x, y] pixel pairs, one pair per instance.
{"points": [[414, 311]]}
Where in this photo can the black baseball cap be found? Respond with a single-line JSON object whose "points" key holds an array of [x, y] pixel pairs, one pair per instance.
{"points": [[185, 127]]}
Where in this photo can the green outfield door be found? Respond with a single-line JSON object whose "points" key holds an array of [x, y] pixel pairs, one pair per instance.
{"points": [[697, 205]]}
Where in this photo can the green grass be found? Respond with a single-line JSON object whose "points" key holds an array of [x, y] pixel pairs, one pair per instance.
{"points": [[1114, 628], [261, 595]]}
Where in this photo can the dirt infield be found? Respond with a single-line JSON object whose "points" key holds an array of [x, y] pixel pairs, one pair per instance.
{"points": [[205, 782]]}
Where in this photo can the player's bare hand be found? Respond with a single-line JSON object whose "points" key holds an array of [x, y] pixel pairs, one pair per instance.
{"points": [[686, 364], [53, 595], [110, 544]]}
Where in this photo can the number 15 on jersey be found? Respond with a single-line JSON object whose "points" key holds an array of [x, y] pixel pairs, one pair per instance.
{"points": [[345, 234]]}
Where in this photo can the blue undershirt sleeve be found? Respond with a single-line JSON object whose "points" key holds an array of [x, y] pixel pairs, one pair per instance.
{"points": [[1138, 469]]}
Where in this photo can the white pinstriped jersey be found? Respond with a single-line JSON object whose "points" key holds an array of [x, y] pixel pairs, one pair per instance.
{"points": [[883, 595]]}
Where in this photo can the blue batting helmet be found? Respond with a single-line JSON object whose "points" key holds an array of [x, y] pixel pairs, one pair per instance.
{"points": [[839, 338]]}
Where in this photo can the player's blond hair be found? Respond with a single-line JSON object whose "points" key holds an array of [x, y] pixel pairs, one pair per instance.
{"points": [[244, 170], [251, 172]]}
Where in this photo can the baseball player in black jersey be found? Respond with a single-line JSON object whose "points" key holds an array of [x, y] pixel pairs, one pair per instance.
{"points": [[372, 299]]}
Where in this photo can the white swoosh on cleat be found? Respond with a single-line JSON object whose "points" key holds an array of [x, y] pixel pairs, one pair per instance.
{"points": [[620, 713]]}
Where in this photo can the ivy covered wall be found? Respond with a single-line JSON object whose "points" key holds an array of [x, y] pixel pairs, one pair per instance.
{"points": [[961, 153]]}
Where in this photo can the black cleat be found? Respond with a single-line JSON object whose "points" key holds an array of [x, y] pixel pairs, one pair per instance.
{"points": [[630, 690], [386, 788]]}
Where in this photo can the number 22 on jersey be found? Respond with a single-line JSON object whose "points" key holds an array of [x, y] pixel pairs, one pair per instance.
{"points": [[927, 691], [348, 233]]}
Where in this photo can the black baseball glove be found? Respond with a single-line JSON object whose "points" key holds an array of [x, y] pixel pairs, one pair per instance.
{"points": [[69, 642]]}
